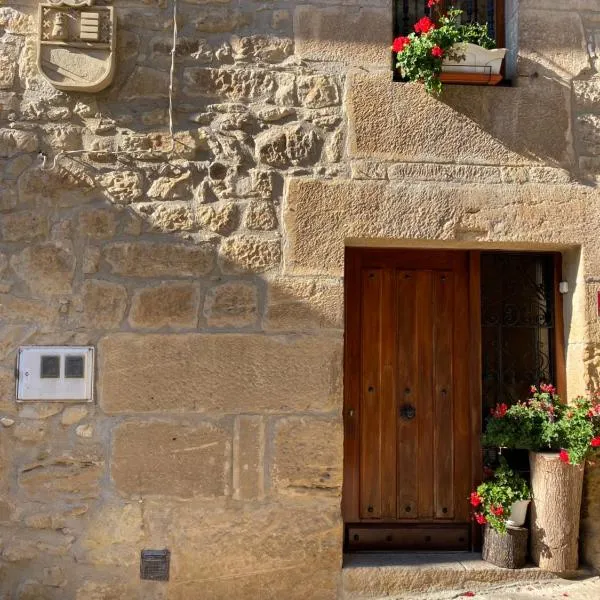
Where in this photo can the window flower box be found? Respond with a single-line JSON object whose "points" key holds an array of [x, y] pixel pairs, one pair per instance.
{"points": [[479, 65]]}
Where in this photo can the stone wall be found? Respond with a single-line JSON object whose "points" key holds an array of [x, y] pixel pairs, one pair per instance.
{"points": [[207, 270]]}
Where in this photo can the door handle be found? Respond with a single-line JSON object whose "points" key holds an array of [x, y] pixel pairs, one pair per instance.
{"points": [[408, 412]]}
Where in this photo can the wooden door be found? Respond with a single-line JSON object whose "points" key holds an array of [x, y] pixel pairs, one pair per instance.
{"points": [[410, 435]]}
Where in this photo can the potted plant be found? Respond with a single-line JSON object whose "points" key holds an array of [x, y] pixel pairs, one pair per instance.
{"points": [[446, 45], [559, 438], [501, 505]]}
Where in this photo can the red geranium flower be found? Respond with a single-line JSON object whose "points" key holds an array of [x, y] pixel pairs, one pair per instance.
{"points": [[469, 594], [400, 43], [432, 3], [500, 409], [548, 388], [424, 25], [564, 456], [595, 442], [497, 510], [480, 518], [476, 499], [437, 52]]}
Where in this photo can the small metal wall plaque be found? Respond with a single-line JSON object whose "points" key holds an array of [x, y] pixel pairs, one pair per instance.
{"points": [[154, 565], [76, 44]]}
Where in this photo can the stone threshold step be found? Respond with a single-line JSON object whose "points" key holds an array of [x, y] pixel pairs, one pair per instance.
{"points": [[387, 574]]}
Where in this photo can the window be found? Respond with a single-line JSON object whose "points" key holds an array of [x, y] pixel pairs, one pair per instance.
{"points": [[407, 12]]}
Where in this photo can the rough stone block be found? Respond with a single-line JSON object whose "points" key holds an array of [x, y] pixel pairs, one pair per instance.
{"points": [[428, 211], [47, 268], [266, 48], [299, 304], [349, 34], [554, 40], [307, 455], [103, 304], [260, 216], [272, 374], [317, 91], [482, 125], [97, 223], [248, 456], [242, 253], [145, 259], [172, 305], [587, 93], [292, 145], [588, 128], [233, 304], [171, 459], [14, 141], [24, 226]]}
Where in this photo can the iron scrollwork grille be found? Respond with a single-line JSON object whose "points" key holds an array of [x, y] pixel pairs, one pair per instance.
{"points": [[408, 12], [517, 311]]}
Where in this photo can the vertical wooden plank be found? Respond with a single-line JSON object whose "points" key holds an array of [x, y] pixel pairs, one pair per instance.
{"points": [[371, 393], [424, 404], [407, 370], [443, 394], [389, 455], [352, 343], [500, 23], [475, 379], [559, 332]]}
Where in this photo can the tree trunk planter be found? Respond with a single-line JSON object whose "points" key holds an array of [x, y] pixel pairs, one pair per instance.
{"points": [[509, 550], [555, 507], [481, 66]]}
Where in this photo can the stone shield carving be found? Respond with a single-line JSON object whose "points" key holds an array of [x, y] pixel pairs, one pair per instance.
{"points": [[76, 44]]}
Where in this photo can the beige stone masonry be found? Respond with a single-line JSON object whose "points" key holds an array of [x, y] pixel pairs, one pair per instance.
{"points": [[273, 374], [172, 459], [248, 457], [321, 217]]}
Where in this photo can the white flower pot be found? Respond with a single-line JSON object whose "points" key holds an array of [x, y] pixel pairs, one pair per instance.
{"points": [[476, 60], [518, 513]]}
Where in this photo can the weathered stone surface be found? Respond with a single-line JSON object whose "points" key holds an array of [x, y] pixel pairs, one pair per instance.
{"points": [[47, 268], [248, 456], [265, 48], [113, 537], [85, 431], [587, 93], [554, 40], [103, 304], [307, 455], [16, 309], [216, 19], [30, 431], [24, 226], [245, 85], [589, 132], [66, 474], [298, 304], [171, 459], [39, 411], [420, 211], [317, 91], [177, 187], [73, 414], [232, 304], [240, 253], [169, 217], [273, 374], [291, 548], [292, 145], [260, 216], [98, 223], [146, 259], [397, 126], [14, 141], [8, 65], [348, 34], [172, 305], [123, 187], [16, 21], [221, 220], [146, 82]]}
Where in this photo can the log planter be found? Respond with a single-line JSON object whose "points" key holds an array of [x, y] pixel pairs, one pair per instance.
{"points": [[556, 489], [508, 550]]}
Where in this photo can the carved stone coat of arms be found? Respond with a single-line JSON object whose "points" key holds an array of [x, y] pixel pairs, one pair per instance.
{"points": [[76, 45]]}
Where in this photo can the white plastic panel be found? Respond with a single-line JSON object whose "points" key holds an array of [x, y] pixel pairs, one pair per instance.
{"points": [[61, 373]]}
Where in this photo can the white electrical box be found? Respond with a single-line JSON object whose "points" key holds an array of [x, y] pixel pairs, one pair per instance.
{"points": [[55, 373]]}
